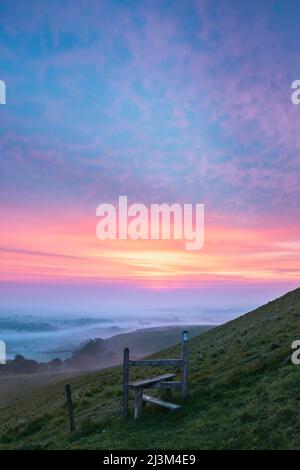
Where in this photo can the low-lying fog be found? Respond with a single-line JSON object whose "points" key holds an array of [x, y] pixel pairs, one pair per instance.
{"points": [[43, 338]]}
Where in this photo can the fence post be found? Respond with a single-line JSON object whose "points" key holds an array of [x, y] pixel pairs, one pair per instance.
{"points": [[70, 407], [185, 363], [125, 381]]}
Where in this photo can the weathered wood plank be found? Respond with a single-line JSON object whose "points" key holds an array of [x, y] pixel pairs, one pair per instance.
{"points": [[158, 402], [165, 385], [156, 362], [151, 381]]}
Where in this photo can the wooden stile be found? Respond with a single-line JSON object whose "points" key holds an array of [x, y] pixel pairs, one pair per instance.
{"points": [[161, 382]]}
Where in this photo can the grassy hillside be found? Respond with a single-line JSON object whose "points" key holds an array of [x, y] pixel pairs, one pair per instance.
{"points": [[245, 393], [142, 342]]}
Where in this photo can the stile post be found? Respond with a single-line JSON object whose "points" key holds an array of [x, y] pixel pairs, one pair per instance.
{"points": [[70, 407], [138, 404], [185, 363], [125, 381]]}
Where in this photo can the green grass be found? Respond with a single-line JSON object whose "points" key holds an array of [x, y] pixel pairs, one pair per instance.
{"points": [[244, 394]]}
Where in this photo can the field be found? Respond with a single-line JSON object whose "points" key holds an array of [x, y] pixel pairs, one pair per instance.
{"points": [[244, 394]]}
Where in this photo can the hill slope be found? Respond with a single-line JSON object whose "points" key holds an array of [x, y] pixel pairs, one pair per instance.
{"points": [[245, 393]]}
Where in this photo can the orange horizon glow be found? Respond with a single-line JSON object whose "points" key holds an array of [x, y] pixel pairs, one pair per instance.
{"points": [[58, 247]]}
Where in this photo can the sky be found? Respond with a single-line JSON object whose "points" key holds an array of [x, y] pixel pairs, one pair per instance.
{"points": [[162, 101]]}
